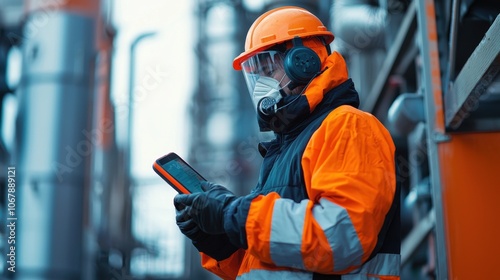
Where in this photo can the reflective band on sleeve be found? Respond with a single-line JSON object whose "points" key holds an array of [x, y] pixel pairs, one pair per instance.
{"points": [[380, 265], [276, 274], [383, 264], [340, 232], [286, 233]]}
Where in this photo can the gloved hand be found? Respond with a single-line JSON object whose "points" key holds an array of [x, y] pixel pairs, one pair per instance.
{"points": [[216, 246], [206, 209], [187, 225]]}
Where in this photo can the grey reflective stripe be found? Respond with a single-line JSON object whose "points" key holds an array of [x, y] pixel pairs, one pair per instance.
{"points": [[381, 264], [286, 233], [278, 275], [287, 229], [340, 232]]}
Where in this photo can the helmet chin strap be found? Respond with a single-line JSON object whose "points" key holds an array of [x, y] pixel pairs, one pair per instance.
{"points": [[291, 85], [287, 85]]}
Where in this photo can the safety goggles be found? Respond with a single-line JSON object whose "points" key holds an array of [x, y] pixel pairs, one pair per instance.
{"points": [[263, 64]]}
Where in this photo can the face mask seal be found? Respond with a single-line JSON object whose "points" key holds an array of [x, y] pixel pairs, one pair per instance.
{"points": [[264, 75], [265, 78]]}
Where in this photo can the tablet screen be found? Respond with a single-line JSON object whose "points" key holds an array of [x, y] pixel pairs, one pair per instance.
{"points": [[184, 174]]}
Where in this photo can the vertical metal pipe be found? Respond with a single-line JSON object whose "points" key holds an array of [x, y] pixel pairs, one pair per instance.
{"points": [[54, 139], [452, 44], [128, 153]]}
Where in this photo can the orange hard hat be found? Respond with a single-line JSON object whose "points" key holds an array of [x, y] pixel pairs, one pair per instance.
{"points": [[279, 25]]}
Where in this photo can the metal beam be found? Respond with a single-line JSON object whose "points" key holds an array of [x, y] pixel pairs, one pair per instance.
{"points": [[394, 56], [433, 102], [417, 236], [475, 77]]}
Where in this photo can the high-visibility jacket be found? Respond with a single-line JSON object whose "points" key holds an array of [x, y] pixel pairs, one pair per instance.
{"points": [[327, 204]]}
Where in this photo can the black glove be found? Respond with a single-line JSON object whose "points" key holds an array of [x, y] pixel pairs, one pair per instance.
{"points": [[188, 226], [216, 246], [207, 208]]}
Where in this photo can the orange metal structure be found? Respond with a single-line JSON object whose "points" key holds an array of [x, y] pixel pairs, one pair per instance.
{"points": [[470, 166]]}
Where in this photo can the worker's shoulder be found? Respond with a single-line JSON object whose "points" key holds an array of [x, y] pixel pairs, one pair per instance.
{"points": [[347, 111], [349, 117]]}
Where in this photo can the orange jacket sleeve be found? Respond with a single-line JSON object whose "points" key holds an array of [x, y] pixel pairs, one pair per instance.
{"points": [[225, 269]]}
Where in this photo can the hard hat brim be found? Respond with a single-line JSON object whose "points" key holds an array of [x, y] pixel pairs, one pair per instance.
{"points": [[327, 35]]}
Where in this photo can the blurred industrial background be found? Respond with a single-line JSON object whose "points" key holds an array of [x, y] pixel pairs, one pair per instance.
{"points": [[93, 91]]}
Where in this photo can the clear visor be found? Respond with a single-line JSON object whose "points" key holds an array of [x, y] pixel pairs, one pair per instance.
{"points": [[264, 64]]}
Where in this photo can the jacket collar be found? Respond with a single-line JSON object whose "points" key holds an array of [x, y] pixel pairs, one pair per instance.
{"points": [[294, 109], [344, 94]]}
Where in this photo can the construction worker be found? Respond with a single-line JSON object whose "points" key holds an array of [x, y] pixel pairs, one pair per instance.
{"points": [[326, 205]]}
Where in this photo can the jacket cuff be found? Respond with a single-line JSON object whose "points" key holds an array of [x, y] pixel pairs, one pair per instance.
{"points": [[217, 246], [235, 218]]}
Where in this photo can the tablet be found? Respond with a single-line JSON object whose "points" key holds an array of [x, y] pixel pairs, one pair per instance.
{"points": [[178, 174]]}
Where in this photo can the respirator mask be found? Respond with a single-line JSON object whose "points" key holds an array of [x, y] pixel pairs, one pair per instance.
{"points": [[261, 73]]}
